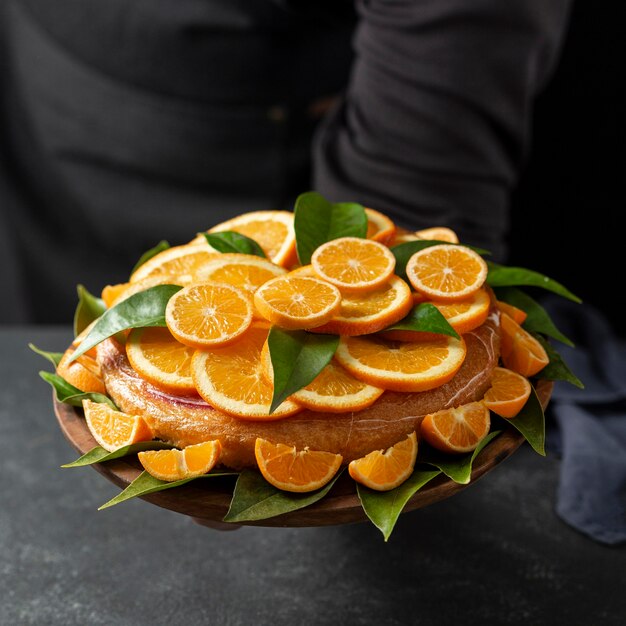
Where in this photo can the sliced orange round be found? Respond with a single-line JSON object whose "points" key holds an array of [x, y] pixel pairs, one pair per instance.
{"points": [[387, 470], [161, 360], [192, 461], [354, 265], [512, 311], [114, 294], [178, 264], [231, 379], [457, 430], [379, 227], [241, 270], [400, 366], [446, 272], [290, 470], [208, 314], [438, 233], [508, 393], [113, 429], [362, 314], [83, 373], [294, 302], [519, 350]]}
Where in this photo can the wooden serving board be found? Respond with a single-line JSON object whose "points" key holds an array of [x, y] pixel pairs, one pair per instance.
{"points": [[208, 501]]}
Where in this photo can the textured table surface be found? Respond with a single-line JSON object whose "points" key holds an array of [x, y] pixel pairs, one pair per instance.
{"points": [[495, 554]]}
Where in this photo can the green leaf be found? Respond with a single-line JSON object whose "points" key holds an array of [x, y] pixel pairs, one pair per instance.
{"points": [[502, 276], [145, 484], [384, 507], [230, 241], [100, 455], [530, 421], [146, 256], [89, 308], [72, 395], [146, 308], [404, 251], [456, 467], [425, 317], [297, 358], [538, 319], [317, 221], [557, 369], [255, 499], [53, 357]]}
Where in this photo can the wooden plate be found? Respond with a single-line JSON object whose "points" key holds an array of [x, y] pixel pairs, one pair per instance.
{"points": [[208, 504]]}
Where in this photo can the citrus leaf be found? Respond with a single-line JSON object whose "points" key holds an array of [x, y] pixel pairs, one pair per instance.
{"points": [[146, 308], [53, 357], [384, 507], [100, 455], [316, 221], [255, 499], [557, 369], [297, 358], [425, 317], [89, 308], [67, 393], [145, 484], [530, 421], [503, 276], [230, 241], [148, 254], [538, 319], [456, 467]]}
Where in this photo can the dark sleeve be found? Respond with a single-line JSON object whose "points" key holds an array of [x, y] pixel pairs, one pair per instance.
{"points": [[436, 118]]}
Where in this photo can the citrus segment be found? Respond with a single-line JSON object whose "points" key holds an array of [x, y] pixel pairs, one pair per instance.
{"points": [[294, 302], [354, 265], [383, 471], [446, 272], [113, 429], [519, 350], [162, 360], [457, 430], [190, 462], [508, 393], [437, 233], [513, 312], [290, 470], [83, 373], [178, 264], [208, 314], [379, 227]]}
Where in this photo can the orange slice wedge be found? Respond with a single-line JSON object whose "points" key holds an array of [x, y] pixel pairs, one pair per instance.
{"points": [[519, 350], [400, 366], [387, 470], [114, 294], [438, 233], [457, 430], [192, 461], [294, 302], [446, 272], [508, 393], [161, 360], [208, 314], [513, 312], [84, 373], [231, 379], [289, 470], [379, 227], [113, 429], [178, 264], [354, 265]]}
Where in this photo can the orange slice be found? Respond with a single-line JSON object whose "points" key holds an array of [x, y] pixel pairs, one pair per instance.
{"points": [[113, 429], [402, 236], [241, 270], [208, 314], [438, 233], [513, 312], [231, 379], [294, 302], [354, 265], [519, 350], [402, 366], [447, 272], [289, 470], [379, 227], [362, 314], [114, 294], [383, 471], [161, 360], [457, 430], [84, 373], [508, 393], [190, 462], [178, 264]]}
